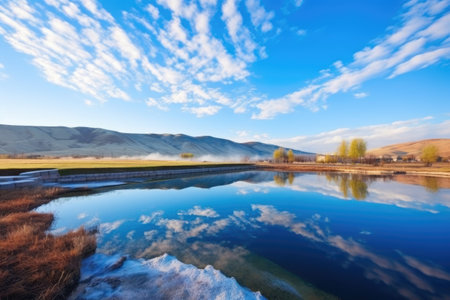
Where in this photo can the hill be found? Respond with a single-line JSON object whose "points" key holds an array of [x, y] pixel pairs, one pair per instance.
{"points": [[85, 141], [413, 148]]}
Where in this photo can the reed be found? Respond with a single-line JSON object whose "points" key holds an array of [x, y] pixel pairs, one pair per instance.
{"points": [[33, 263]]}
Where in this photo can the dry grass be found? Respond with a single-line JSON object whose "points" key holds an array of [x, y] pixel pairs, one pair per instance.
{"points": [[90, 165], [13, 201], [82, 163], [414, 148], [33, 263], [436, 168]]}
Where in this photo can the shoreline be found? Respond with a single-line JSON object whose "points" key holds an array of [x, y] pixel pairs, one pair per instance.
{"points": [[53, 177], [36, 264], [74, 173], [392, 169]]}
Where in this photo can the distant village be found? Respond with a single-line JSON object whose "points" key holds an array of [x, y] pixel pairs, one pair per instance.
{"points": [[355, 152]]}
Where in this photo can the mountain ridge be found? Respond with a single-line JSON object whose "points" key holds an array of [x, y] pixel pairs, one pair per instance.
{"points": [[88, 141]]}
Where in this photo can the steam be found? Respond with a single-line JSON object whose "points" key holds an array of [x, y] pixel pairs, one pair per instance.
{"points": [[158, 156]]}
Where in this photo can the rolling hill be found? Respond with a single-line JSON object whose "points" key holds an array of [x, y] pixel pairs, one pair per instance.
{"points": [[85, 141], [413, 148]]}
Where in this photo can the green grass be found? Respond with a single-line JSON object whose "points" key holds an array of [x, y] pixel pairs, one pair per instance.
{"points": [[89, 166]]}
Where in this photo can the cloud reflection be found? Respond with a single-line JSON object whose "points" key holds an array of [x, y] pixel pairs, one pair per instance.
{"points": [[398, 273], [403, 273], [198, 211], [148, 219], [106, 228], [390, 190]]}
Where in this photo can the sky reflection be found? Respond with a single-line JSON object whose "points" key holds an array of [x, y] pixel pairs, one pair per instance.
{"points": [[298, 235]]}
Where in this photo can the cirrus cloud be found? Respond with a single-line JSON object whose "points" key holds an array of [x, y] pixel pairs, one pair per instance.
{"points": [[421, 39]]}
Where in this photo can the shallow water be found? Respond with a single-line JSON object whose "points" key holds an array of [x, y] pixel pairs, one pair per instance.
{"points": [[287, 235]]}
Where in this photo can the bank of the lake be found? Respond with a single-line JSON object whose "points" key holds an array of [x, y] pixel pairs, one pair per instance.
{"points": [[436, 170], [73, 166], [35, 264], [77, 171]]}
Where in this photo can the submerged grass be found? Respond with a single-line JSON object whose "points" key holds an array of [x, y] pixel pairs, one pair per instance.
{"points": [[33, 263]]}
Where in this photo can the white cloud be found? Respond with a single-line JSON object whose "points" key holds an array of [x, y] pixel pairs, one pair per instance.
{"points": [[375, 135], [239, 34], [2, 74], [259, 16], [88, 102], [125, 46], [100, 13], [301, 32], [80, 46], [242, 133], [421, 39], [360, 95], [153, 11], [153, 102], [421, 61], [203, 110], [63, 48], [156, 87], [298, 3], [171, 46], [270, 108]]}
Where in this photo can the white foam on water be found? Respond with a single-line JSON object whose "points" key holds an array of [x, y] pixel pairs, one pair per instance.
{"points": [[163, 277]]}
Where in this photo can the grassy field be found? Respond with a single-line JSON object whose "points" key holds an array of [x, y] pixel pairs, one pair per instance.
{"points": [[86, 166]]}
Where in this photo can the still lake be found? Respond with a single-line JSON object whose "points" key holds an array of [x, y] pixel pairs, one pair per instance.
{"points": [[286, 235]]}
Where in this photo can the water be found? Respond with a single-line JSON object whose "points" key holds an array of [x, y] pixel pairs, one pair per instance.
{"points": [[286, 235]]}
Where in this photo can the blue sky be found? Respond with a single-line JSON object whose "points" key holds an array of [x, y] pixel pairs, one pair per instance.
{"points": [[303, 74]]}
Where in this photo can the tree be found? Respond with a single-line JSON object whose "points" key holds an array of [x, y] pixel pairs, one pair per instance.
{"points": [[328, 158], [431, 184], [342, 151], [357, 149], [358, 187], [279, 155], [429, 154], [290, 156], [291, 178], [187, 155], [280, 179]]}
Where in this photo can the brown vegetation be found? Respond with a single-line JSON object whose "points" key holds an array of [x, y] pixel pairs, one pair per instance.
{"points": [[430, 183], [414, 148], [12, 201], [438, 169], [35, 264]]}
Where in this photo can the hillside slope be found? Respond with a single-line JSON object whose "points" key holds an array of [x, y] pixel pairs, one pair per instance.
{"points": [[413, 148], [85, 141]]}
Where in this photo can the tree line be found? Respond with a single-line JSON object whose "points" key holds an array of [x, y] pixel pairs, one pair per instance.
{"points": [[353, 151]]}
